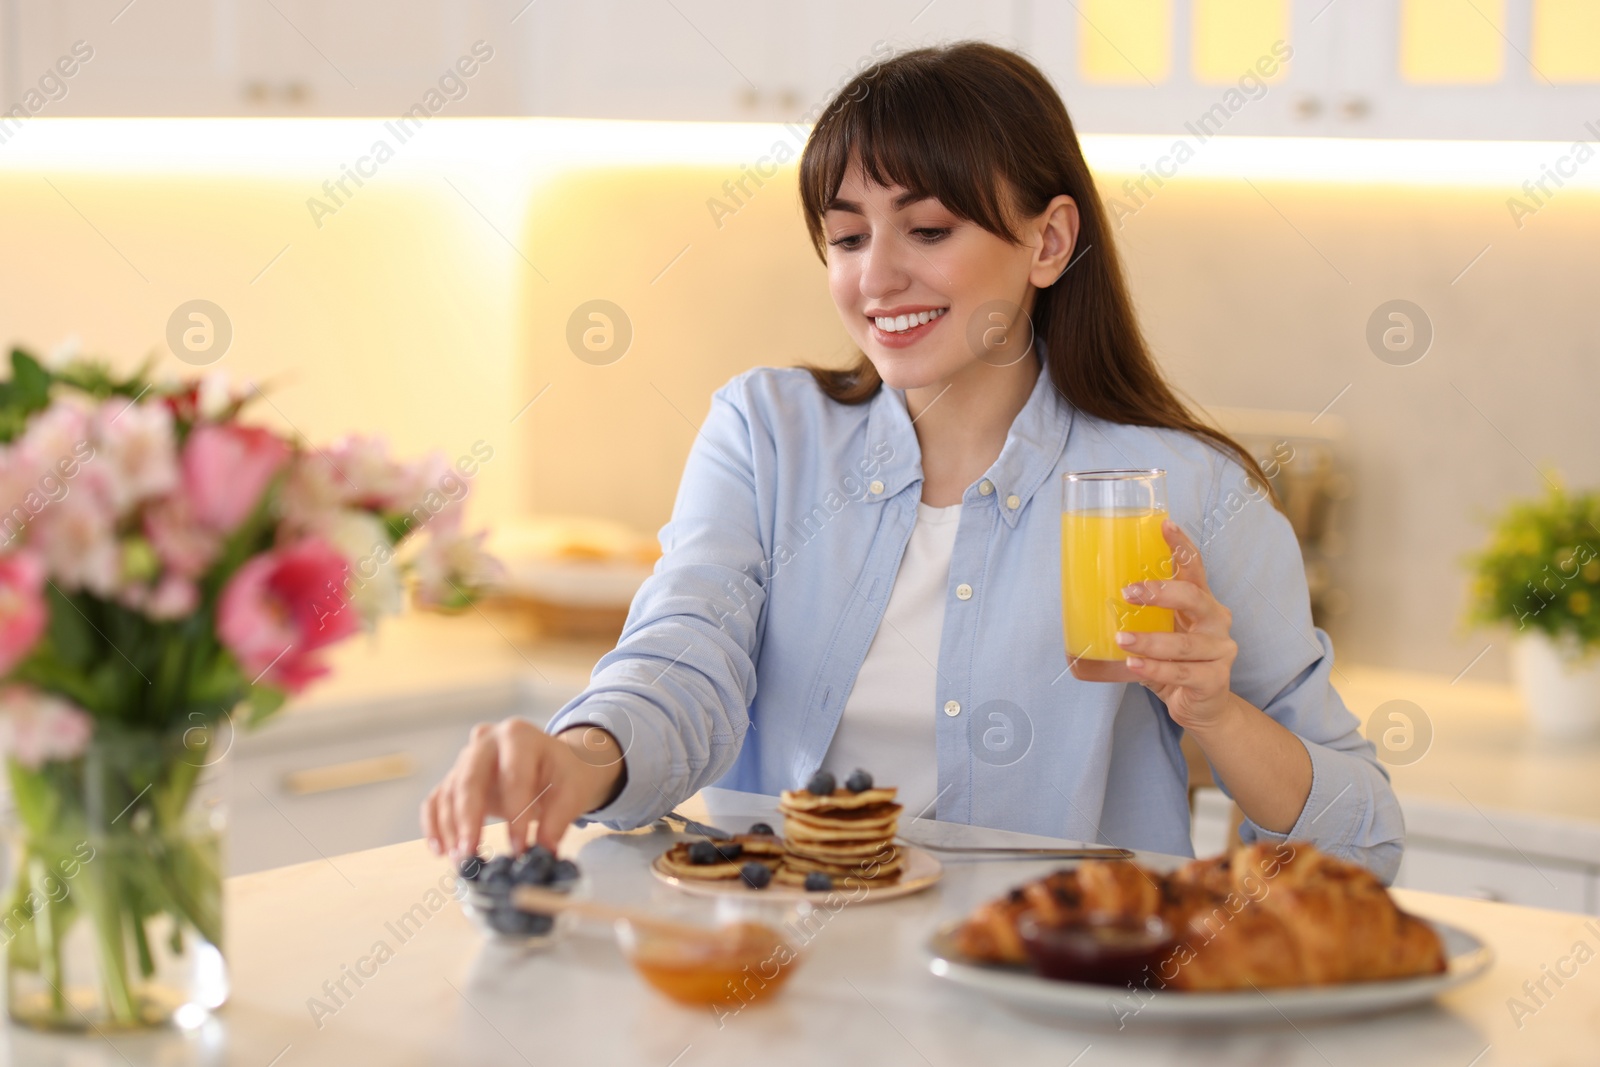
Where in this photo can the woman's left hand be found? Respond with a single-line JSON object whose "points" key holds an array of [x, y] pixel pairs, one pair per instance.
{"points": [[1190, 668]]}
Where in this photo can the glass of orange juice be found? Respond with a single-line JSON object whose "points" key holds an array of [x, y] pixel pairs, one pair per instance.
{"points": [[1110, 538]]}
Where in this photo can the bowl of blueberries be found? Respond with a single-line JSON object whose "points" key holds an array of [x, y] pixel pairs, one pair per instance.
{"points": [[485, 894]]}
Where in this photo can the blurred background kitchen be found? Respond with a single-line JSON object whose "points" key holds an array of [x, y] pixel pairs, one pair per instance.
{"points": [[1361, 234]]}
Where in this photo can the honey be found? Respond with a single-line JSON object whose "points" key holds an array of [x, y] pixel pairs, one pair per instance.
{"points": [[741, 963]]}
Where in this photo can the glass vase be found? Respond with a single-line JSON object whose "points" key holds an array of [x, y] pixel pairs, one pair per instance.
{"points": [[113, 913]]}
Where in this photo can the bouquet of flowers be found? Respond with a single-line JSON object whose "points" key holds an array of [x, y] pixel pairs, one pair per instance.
{"points": [[166, 566]]}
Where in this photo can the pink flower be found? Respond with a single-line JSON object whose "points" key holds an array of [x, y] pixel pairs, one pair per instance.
{"points": [[36, 727], [22, 609], [183, 545], [226, 468], [281, 607]]}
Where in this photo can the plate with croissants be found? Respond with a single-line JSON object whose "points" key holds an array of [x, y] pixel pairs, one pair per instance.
{"points": [[1266, 932]]}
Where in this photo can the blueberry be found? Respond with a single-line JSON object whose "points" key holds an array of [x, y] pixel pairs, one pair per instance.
{"points": [[538, 851], [728, 850], [533, 868], [703, 852], [821, 784], [756, 875], [859, 781], [761, 828], [817, 882], [496, 877], [563, 872], [470, 868]]}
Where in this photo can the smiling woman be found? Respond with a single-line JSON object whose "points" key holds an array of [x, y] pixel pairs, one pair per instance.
{"points": [[918, 632]]}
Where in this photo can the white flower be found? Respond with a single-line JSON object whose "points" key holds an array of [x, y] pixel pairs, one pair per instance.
{"points": [[373, 585], [37, 727], [137, 446], [453, 567], [78, 539], [62, 355], [218, 392]]}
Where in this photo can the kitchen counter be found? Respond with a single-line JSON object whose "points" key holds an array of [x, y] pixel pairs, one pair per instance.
{"points": [[863, 996]]}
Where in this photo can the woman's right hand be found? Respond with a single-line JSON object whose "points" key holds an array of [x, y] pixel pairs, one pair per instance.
{"points": [[516, 771]]}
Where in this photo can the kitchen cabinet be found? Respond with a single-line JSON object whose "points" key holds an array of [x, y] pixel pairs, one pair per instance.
{"points": [[1489, 69], [262, 57], [775, 62]]}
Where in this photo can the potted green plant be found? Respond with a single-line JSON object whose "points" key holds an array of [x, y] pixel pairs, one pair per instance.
{"points": [[1540, 575]]}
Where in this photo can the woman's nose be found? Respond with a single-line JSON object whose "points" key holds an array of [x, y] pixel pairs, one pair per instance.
{"points": [[888, 264]]}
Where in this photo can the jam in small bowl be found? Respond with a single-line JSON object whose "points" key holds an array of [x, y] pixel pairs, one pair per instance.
{"points": [[1115, 950]]}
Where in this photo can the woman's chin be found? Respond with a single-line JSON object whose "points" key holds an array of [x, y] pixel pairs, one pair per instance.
{"points": [[907, 370]]}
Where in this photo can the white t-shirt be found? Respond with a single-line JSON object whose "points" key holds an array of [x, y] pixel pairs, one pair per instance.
{"points": [[887, 726]]}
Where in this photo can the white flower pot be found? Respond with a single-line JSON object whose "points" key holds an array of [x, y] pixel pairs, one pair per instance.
{"points": [[1560, 688]]}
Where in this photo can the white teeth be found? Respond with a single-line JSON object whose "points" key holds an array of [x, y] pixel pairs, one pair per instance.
{"points": [[905, 322]]}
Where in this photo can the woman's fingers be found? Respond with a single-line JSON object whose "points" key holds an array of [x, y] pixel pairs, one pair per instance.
{"points": [[430, 824], [1190, 645], [523, 778], [475, 781], [1203, 609]]}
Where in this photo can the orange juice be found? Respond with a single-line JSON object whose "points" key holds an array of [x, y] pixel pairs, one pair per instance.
{"points": [[1102, 551]]}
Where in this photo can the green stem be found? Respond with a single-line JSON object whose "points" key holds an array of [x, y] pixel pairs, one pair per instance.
{"points": [[105, 912], [48, 932]]}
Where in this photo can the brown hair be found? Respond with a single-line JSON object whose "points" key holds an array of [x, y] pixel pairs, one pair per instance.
{"points": [[953, 121]]}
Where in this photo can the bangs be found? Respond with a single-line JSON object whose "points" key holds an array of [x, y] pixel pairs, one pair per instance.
{"points": [[914, 126]]}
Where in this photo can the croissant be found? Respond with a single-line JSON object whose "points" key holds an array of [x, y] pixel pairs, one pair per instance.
{"points": [[1268, 915]]}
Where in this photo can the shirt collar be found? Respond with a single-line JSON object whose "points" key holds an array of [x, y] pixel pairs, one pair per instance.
{"points": [[1033, 447]]}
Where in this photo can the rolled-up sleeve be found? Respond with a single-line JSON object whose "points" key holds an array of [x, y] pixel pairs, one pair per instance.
{"points": [[1285, 667], [677, 688]]}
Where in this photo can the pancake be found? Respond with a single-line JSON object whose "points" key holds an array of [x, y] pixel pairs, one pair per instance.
{"points": [[676, 862], [760, 846], [839, 800], [867, 821]]}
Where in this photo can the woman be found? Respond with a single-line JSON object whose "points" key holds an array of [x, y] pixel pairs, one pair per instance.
{"points": [[863, 567]]}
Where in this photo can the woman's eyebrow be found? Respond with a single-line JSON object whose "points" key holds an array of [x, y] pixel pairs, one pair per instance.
{"points": [[901, 201]]}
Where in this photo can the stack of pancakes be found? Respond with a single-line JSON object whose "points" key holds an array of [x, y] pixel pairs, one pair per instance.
{"points": [[842, 834]]}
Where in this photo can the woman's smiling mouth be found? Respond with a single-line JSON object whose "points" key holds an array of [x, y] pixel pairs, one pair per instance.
{"points": [[898, 331]]}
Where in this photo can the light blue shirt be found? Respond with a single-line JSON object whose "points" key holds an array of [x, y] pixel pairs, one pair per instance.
{"points": [[740, 650]]}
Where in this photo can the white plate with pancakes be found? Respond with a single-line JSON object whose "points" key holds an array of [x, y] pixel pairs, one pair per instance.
{"points": [[847, 834]]}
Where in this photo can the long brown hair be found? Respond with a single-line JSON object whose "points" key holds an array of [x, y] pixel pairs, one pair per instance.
{"points": [[951, 122]]}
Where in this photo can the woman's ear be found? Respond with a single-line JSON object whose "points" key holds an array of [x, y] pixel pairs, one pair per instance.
{"points": [[1057, 227]]}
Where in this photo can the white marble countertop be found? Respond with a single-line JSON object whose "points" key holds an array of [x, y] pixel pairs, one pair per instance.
{"points": [[864, 995]]}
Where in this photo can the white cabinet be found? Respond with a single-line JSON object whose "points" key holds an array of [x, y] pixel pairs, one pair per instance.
{"points": [[1506, 876], [1493, 69], [265, 57], [691, 59], [341, 779]]}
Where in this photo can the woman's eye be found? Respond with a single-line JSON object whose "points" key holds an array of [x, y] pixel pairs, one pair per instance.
{"points": [[927, 234]]}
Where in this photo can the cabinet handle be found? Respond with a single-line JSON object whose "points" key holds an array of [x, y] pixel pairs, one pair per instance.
{"points": [[1307, 107], [369, 771], [1355, 107]]}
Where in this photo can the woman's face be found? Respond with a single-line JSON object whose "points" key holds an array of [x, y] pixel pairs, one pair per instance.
{"points": [[889, 256]]}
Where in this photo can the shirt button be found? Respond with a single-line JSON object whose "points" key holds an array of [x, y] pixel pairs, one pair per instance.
{"points": [[1013, 501], [986, 487], [952, 708], [876, 486], [964, 591]]}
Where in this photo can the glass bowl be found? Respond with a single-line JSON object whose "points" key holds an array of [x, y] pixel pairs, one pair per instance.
{"points": [[733, 951], [498, 918], [1111, 951]]}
